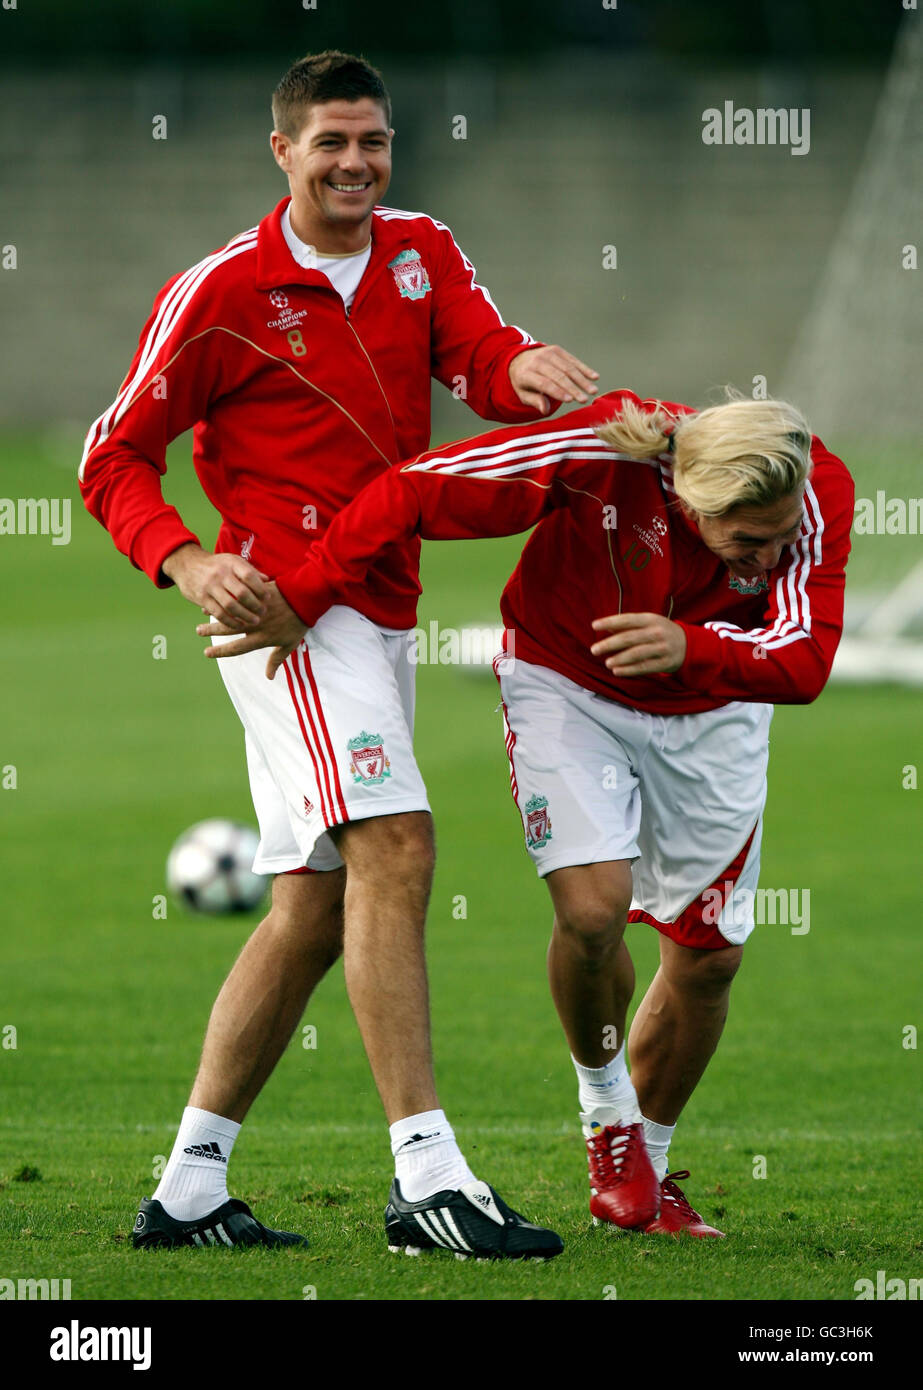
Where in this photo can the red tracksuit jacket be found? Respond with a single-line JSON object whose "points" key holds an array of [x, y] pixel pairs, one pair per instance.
{"points": [[294, 404], [611, 537]]}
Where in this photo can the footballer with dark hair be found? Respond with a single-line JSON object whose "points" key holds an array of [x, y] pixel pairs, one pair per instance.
{"points": [[300, 353]]}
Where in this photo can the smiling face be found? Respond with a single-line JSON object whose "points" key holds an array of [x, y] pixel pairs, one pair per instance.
{"points": [[338, 168], [750, 539]]}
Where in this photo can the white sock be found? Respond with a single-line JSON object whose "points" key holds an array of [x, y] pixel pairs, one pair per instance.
{"points": [[657, 1141], [609, 1087], [426, 1156], [194, 1184]]}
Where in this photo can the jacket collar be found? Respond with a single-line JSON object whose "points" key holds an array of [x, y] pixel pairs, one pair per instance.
{"points": [[276, 266]]}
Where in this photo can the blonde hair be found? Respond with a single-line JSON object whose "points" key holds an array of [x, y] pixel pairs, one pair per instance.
{"points": [[743, 452]]}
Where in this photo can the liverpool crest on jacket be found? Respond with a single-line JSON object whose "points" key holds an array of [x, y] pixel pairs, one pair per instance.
{"points": [[757, 585], [410, 274]]}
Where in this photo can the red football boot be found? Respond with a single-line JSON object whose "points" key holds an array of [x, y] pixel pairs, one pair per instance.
{"points": [[623, 1185], [677, 1217]]}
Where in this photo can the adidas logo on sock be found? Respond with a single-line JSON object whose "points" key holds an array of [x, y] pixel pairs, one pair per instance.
{"points": [[206, 1151], [418, 1138]]}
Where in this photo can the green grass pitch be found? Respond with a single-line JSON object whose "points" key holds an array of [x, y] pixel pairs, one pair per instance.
{"points": [[116, 752]]}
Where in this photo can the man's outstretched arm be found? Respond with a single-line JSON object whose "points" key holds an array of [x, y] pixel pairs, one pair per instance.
{"points": [[496, 484]]}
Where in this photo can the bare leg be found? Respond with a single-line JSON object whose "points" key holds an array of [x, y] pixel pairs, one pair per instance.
{"points": [[677, 1026], [267, 990], [589, 969], [389, 868]]}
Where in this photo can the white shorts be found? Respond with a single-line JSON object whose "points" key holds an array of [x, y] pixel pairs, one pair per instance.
{"points": [[681, 796], [330, 740]]}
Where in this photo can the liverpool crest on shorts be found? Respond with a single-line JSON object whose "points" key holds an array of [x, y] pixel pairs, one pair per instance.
{"points": [[367, 761], [410, 275], [538, 822]]}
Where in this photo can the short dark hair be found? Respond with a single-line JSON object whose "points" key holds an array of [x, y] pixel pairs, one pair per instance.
{"points": [[328, 76]]}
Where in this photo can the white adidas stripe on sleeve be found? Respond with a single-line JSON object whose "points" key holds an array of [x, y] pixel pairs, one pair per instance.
{"points": [[168, 315], [501, 460]]}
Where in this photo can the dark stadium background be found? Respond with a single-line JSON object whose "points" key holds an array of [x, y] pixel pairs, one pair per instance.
{"points": [[197, 29]]}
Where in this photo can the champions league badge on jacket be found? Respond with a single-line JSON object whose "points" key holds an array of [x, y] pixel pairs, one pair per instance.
{"points": [[410, 275], [367, 761]]}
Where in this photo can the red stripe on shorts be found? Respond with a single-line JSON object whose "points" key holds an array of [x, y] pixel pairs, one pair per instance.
{"points": [[323, 777], [510, 745], [324, 806], [509, 736], [690, 928], [340, 799]]}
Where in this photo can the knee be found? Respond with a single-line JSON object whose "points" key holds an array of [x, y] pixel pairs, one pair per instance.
{"points": [[314, 933], [411, 846], [707, 974], [591, 905], [592, 926], [398, 847]]}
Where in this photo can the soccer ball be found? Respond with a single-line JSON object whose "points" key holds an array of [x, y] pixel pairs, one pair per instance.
{"points": [[209, 867]]}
